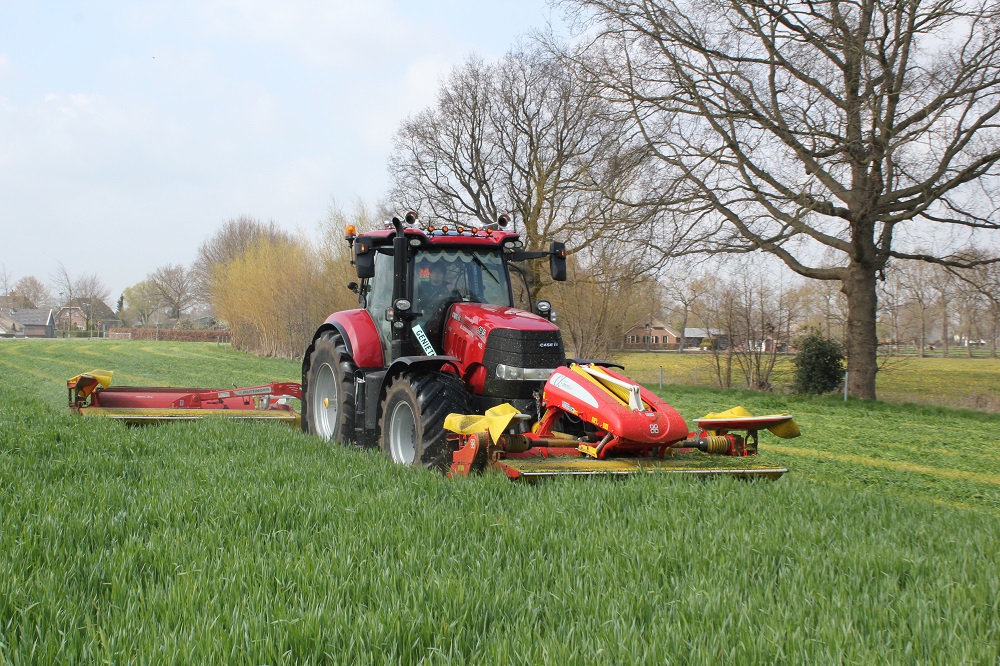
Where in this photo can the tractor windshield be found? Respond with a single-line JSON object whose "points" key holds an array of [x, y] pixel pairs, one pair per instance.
{"points": [[442, 277]]}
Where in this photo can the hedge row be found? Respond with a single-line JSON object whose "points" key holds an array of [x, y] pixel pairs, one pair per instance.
{"points": [[171, 334]]}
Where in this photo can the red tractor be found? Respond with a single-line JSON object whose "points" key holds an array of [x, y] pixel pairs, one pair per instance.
{"points": [[437, 333]]}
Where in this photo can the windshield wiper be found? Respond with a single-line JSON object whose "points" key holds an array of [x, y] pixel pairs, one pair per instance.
{"points": [[485, 268]]}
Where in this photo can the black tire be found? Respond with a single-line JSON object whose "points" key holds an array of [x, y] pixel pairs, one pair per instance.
{"points": [[328, 398], [413, 413]]}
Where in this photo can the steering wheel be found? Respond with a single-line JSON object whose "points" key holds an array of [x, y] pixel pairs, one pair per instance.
{"points": [[466, 295]]}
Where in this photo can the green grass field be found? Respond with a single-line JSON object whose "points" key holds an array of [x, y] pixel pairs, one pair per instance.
{"points": [[228, 542], [956, 381]]}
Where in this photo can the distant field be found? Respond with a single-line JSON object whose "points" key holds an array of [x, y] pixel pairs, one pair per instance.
{"points": [[222, 542], [956, 381]]}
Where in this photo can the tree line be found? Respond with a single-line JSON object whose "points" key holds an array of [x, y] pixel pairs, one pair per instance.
{"points": [[851, 141], [840, 138]]}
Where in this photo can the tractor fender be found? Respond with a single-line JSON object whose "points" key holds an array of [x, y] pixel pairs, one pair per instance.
{"points": [[359, 333], [376, 382], [422, 363]]}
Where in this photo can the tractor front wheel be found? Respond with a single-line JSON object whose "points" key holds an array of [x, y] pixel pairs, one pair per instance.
{"points": [[413, 413]]}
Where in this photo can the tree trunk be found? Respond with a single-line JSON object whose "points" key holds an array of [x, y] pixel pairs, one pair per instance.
{"points": [[923, 335], [859, 288], [944, 327], [684, 323], [995, 331]]}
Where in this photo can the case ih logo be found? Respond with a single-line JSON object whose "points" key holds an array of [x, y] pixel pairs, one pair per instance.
{"points": [[548, 344]]}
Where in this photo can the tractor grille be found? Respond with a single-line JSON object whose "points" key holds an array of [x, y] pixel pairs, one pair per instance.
{"points": [[521, 349]]}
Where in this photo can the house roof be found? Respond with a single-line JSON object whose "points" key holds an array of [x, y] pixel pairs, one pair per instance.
{"points": [[702, 333], [656, 324], [29, 317], [97, 308]]}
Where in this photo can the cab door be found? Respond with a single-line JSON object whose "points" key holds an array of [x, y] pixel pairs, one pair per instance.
{"points": [[379, 300]]}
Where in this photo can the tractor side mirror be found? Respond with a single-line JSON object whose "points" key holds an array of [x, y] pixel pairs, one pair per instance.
{"points": [[364, 258], [557, 261]]}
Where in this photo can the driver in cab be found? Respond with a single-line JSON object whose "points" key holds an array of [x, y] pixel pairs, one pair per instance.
{"points": [[433, 295], [433, 290]]}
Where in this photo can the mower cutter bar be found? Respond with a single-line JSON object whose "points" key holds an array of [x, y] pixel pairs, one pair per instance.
{"points": [[136, 416], [539, 468]]}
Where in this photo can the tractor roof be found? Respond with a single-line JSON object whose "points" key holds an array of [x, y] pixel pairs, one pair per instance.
{"points": [[447, 236]]}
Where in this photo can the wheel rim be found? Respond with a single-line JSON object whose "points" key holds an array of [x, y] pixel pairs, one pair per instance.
{"points": [[403, 434], [325, 404]]}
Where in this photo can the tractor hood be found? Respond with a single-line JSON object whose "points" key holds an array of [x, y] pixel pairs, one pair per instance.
{"points": [[493, 341], [482, 318]]}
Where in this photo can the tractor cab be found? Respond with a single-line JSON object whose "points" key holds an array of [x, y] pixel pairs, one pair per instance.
{"points": [[436, 279], [413, 275], [437, 332]]}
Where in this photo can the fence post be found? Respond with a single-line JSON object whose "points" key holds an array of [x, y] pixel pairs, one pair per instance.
{"points": [[661, 377], [846, 373]]}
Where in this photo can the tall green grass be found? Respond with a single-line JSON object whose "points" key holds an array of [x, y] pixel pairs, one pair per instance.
{"points": [[229, 542]]}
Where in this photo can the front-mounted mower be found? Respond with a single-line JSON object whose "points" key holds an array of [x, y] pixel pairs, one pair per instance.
{"points": [[440, 368]]}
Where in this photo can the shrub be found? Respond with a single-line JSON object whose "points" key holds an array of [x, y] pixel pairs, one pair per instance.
{"points": [[819, 365]]}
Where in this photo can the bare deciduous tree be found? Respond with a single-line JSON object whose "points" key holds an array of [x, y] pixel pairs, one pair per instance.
{"points": [[747, 315], [605, 292], [140, 302], [6, 280], [942, 284], [232, 240], [84, 291], [915, 279], [892, 304], [796, 126], [64, 283], [91, 290], [984, 282], [824, 308], [685, 289], [174, 286], [525, 136], [30, 292]]}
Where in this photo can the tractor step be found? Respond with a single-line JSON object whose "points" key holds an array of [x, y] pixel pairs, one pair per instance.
{"points": [[696, 465]]}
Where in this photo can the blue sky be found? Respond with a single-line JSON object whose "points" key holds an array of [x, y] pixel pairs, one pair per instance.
{"points": [[130, 131]]}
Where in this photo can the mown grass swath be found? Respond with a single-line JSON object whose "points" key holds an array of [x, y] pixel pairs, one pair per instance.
{"points": [[221, 541]]}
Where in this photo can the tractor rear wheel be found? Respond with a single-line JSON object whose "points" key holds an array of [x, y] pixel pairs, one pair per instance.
{"points": [[413, 413], [328, 401]]}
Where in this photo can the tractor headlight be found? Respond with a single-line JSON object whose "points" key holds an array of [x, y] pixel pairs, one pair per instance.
{"points": [[402, 305], [511, 373]]}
